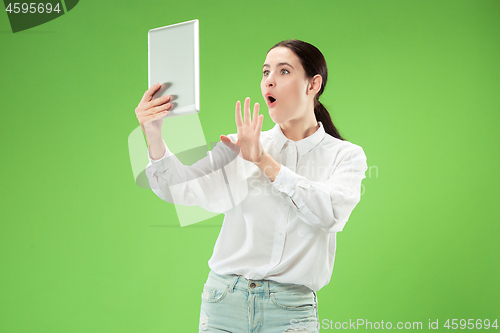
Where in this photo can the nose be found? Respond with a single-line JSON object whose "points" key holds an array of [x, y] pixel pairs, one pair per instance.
{"points": [[269, 81]]}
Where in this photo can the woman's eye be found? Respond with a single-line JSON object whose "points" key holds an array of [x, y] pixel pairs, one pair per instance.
{"points": [[284, 71], [266, 73]]}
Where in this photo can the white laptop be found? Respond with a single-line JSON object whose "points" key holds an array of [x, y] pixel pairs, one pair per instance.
{"points": [[174, 61]]}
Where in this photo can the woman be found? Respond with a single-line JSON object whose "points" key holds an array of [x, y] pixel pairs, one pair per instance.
{"points": [[284, 192]]}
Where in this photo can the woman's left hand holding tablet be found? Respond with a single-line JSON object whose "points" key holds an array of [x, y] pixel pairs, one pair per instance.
{"points": [[249, 129]]}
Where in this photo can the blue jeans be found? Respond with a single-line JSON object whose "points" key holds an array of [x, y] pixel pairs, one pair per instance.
{"points": [[231, 303]]}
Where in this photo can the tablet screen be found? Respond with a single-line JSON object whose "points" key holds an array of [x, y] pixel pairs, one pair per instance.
{"points": [[173, 61]]}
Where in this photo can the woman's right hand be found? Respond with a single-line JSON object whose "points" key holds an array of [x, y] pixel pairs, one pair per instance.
{"points": [[150, 113]]}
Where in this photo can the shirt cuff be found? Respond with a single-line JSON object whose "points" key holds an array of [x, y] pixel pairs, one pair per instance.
{"points": [[286, 180]]}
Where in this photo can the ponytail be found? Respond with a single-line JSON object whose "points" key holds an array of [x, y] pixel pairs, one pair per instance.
{"points": [[323, 116]]}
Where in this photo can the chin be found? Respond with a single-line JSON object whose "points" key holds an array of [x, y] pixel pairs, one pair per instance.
{"points": [[274, 117], [278, 117]]}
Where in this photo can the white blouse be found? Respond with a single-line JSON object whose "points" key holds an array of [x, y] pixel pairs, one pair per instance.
{"points": [[266, 235]]}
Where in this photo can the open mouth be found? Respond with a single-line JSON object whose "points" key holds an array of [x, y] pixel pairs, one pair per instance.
{"points": [[271, 101]]}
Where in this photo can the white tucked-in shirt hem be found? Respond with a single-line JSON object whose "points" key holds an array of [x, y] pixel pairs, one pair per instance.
{"points": [[283, 230]]}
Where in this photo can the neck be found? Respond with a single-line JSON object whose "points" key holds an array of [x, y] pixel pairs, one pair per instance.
{"points": [[298, 129]]}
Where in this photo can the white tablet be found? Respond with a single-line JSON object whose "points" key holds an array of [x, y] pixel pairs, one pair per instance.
{"points": [[174, 61]]}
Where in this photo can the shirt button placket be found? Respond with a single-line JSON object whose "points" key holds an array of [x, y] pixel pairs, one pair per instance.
{"points": [[291, 159]]}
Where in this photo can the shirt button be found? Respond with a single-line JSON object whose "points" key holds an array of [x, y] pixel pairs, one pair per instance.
{"points": [[252, 285], [280, 234]]}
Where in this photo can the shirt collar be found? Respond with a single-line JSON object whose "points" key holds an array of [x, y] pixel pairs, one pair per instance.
{"points": [[304, 145]]}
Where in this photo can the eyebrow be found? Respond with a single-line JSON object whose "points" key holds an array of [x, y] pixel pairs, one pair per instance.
{"points": [[280, 64]]}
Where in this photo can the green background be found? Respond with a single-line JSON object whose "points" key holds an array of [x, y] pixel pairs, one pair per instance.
{"points": [[415, 83]]}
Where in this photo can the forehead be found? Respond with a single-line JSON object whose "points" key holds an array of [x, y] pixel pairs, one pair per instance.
{"points": [[282, 55]]}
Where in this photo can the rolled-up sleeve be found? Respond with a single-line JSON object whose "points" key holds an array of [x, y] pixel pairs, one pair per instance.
{"points": [[326, 205], [205, 183]]}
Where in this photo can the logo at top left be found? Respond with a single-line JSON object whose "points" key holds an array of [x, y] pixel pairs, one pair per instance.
{"points": [[26, 15]]}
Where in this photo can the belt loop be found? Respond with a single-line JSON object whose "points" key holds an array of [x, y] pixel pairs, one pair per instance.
{"points": [[266, 288], [231, 286]]}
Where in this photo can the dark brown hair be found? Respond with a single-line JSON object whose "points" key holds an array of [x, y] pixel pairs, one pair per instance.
{"points": [[314, 63]]}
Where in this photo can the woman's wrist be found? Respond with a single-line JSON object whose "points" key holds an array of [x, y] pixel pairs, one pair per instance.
{"points": [[270, 167], [156, 145]]}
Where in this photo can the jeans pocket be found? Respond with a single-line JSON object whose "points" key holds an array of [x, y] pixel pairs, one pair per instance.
{"points": [[294, 300], [212, 294]]}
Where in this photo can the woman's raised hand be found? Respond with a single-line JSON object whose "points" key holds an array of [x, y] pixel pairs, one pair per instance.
{"points": [[248, 133], [150, 113]]}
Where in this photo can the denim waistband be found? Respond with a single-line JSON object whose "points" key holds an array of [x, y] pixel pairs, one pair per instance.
{"points": [[257, 286]]}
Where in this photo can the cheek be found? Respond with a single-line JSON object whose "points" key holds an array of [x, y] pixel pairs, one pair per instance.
{"points": [[262, 86], [294, 91]]}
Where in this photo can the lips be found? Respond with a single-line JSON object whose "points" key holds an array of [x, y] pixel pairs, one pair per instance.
{"points": [[270, 100]]}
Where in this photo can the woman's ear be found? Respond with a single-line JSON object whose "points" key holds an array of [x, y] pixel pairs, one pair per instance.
{"points": [[314, 85]]}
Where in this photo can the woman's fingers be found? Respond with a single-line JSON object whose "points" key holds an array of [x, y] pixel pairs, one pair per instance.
{"points": [[247, 111], [258, 128], [247, 120], [237, 116], [254, 122], [158, 101], [157, 109], [147, 115], [234, 147], [248, 131], [255, 114], [161, 108], [148, 107], [153, 117], [149, 93]]}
